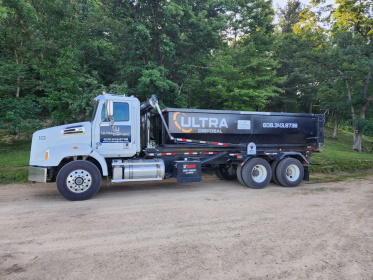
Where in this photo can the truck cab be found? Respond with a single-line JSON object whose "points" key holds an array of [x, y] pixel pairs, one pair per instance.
{"points": [[116, 134], [112, 132]]}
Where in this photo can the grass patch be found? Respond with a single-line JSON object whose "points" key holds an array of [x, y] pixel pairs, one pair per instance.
{"points": [[337, 177], [14, 161], [337, 157], [319, 190]]}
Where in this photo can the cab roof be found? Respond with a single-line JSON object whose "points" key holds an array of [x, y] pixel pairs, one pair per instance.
{"points": [[109, 96]]}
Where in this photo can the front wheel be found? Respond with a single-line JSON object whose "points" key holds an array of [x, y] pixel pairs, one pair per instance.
{"points": [[78, 180], [256, 173], [290, 172]]}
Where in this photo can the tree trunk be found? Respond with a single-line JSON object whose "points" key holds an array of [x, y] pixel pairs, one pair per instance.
{"points": [[358, 131], [18, 87], [180, 88], [18, 82], [18, 135], [335, 129], [357, 145], [358, 141]]}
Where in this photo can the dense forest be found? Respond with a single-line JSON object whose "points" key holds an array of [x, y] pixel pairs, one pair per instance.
{"points": [[57, 55]]}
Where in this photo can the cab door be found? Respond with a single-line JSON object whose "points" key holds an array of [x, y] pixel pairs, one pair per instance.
{"points": [[117, 139]]}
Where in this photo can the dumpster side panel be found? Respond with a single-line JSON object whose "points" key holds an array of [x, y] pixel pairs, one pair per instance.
{"points": [[240, 127]]}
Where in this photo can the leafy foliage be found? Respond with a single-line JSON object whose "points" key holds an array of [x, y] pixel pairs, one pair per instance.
{"points": [[242, 75], [55, 56], [20, 115]]}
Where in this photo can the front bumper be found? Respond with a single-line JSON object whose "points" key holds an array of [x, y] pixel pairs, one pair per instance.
{"points": [[37, 174]]}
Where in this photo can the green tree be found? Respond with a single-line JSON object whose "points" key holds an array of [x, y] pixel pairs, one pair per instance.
{"points": [[242, 75], [353, 58], [17, 75], [288, 53], [20, 115], [66, 80], [330, 95], [16, 40], [166, 46], [343, 51]]}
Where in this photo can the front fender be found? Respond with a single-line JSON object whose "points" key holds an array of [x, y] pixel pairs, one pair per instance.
{"points": [[57, 153], [299, 156], [101, 161]]}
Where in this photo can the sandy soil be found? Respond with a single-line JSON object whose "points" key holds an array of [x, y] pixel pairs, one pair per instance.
{"points": [[208, 230]]}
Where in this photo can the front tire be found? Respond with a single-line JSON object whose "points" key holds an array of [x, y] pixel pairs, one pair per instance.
{"points": [[290, 172], [256, 173], [78, 180]]}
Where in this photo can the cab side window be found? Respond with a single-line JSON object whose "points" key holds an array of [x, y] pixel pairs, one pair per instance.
{"points": [[121, 112]]}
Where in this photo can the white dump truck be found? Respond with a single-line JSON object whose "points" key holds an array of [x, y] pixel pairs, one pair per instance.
{"points": [[125, 142]]}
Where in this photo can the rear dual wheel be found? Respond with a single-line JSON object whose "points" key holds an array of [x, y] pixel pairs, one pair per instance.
{"points": [[226, 172], [255, 174], [239, 175], [273, 167], [289, 172]]}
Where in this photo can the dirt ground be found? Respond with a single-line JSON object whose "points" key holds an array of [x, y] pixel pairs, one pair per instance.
{"points": [[209, 230]]}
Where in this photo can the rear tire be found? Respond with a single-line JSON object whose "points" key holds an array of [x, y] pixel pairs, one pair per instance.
{"points": [[256, 173], [226, 173], [239, 175], [273, 167], [290, 172], [78, 180]]}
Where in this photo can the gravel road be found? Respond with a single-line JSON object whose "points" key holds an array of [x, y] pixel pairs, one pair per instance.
{"points": [[209, 230]]}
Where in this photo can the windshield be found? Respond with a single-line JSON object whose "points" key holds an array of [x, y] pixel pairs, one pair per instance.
{"points": [[95, 104]]}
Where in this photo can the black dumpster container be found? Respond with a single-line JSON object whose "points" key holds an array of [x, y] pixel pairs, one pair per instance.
{"points": [[241, 127]]}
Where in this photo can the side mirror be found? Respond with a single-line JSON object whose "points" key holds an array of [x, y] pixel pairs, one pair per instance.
{"points": [[109, 109]]}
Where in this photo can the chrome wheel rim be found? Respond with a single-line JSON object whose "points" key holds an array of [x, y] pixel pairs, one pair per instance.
{"points": [[79, 181], [292, 173], [259, 173]]}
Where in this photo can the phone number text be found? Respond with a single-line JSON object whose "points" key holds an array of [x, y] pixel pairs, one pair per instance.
{"points": [[280, 125]]}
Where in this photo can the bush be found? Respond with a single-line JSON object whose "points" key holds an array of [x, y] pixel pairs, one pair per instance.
{"points": [[20, 115]]}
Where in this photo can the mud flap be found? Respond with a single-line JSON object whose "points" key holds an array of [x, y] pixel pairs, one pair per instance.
{"points": [[306, 176]]}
